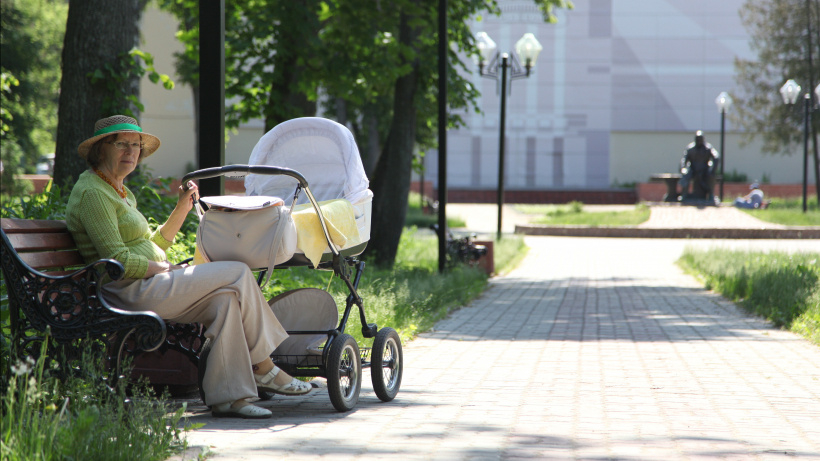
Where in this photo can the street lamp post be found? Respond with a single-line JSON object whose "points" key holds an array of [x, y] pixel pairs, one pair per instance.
{"points": [[497, 66], [723, 102], [790, 91]]}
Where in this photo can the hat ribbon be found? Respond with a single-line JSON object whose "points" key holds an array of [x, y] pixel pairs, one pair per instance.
{"points": [[118, 127]]}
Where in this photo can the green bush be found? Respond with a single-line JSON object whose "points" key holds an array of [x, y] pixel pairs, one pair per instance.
{"points": [[734, 176], [49, 204], [781, 287], [66, 416], [573, 213]]}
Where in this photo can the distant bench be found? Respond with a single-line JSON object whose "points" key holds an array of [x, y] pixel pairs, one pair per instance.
{"points": [[50, 288], [671, 180]]}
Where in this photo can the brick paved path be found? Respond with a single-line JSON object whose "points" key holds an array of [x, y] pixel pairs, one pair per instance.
{"points": [[592, 349]]}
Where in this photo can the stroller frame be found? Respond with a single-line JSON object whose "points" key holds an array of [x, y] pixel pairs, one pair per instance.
{"points": [[341, 361]]}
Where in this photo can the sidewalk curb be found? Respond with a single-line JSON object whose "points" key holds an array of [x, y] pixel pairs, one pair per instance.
{"points": [[644, 232], [192, 453]]}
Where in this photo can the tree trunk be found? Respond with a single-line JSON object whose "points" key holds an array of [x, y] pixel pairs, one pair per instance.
{"points": [[391, 181], [371, 124], [286, 100], [97, 33], [816, 166]]}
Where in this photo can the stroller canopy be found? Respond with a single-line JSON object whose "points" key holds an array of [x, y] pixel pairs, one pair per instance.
{"points": [[323, 151]]}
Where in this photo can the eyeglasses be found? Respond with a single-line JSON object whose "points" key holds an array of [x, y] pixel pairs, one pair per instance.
{"points": [[122, 145]]}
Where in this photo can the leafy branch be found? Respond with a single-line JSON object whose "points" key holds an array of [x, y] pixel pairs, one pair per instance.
{"points": [[114, 77]]}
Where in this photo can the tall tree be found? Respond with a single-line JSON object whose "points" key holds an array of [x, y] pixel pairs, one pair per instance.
{"points": [[391, 182], [98, 74], [785, 36], [414, 122], [271, 46]]}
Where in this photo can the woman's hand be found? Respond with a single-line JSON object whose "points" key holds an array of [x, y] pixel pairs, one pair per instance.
{"points": [[177, 217], [187, 197], [155, 268]]}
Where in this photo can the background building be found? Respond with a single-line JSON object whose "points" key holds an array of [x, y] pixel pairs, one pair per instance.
{"points": [[617, 93]]}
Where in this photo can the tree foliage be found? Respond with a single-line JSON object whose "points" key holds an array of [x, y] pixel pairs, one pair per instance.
{"points": [[11, 152], [31, 38], [783, 35], [370, 64]]}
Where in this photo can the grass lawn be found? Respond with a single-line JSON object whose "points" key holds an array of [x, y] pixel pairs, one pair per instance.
{"points": [[783, 288], [573, 213], [789, 212]]}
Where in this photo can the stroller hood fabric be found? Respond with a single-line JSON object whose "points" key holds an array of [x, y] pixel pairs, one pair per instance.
{"points": [[322, 150]]}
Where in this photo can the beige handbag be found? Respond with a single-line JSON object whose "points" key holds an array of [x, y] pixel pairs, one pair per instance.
{"points": [[258, 231]]}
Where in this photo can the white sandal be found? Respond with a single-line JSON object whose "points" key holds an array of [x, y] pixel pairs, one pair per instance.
{"points": [[249, 411], [294, 387]]}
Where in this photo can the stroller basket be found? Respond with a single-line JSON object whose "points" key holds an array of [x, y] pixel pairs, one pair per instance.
{"points": [[314, 361]]}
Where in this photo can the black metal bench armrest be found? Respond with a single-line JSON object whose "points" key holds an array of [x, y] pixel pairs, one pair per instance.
{"points": [[72, 306]]}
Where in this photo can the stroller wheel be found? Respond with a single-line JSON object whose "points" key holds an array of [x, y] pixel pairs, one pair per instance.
{"points": [[344, 373], [386, 364]]}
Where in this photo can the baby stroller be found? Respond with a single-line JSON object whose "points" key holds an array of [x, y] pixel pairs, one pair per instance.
{"points": [[310, 167]]}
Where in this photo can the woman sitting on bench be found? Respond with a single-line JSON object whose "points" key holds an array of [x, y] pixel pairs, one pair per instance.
{"points": [[224, 296]]}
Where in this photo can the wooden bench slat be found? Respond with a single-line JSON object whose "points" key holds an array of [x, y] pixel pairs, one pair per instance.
{"points": [[52, 259], [41, 241], [18, 226]]}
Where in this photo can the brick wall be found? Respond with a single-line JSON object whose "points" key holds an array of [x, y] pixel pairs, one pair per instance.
{"points": [[38, 181], [654, 192], [597, 197], [643, 192], [429, 191]]}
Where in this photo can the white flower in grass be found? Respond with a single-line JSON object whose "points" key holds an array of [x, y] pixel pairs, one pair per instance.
{"points": [[23, 368]]}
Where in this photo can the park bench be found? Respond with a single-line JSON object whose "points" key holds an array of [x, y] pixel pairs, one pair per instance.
{"points": [[671, 180], [51, 289]]}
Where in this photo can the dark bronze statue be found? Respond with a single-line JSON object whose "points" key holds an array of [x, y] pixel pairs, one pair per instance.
{"points": [[698, 166]]}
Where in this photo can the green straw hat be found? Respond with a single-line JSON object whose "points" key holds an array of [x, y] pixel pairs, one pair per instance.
{"points": [[119, 124]]}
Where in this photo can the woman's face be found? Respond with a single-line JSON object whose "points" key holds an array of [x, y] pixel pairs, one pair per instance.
{"points": [[120, 157]]}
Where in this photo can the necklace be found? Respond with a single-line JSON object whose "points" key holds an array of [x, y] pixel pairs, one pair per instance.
{"points": [[121, 193]]}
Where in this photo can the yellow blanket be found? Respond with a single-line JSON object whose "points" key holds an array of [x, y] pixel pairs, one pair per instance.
{"points": [[340, 219]]}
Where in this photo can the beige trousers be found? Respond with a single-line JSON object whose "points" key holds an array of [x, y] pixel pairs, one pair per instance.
{"points": [[225, 297]]}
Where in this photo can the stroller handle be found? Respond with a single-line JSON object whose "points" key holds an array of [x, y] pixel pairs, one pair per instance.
{"points": [[269, 170], [255, 169]]}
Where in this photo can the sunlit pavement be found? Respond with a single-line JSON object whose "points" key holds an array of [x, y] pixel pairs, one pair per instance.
{"points": [[592, 349]]}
